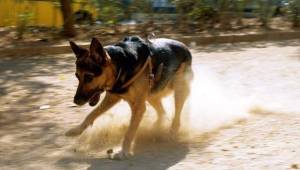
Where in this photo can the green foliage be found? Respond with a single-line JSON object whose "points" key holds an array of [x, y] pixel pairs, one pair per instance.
{"points": [[184, 7], [109, 11], [24, 19], [203, 14], [204, 11], [265, 11], [294, 12], [141, 6]]}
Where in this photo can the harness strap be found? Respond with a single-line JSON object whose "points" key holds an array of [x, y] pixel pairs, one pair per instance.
{"points": [[151, 75]]}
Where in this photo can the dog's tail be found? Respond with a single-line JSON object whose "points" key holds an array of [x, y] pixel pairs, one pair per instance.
{"points": [[188, 69], [189, 72], [168, 73]]}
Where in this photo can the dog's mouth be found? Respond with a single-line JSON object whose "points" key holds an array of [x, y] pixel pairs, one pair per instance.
{"points": [[95, 98]]}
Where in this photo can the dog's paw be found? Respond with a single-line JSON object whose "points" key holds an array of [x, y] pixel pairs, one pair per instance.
{"points": [[74, 131], [173, 134], [121, 155]]}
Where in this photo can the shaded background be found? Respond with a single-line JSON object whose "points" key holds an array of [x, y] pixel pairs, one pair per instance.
{"points": [[53, 20]]}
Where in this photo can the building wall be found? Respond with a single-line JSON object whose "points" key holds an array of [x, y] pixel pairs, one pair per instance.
{"points": [[42, 13]]}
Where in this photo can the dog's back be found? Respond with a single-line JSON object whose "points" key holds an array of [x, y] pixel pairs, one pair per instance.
{"points": [[167, 57]]}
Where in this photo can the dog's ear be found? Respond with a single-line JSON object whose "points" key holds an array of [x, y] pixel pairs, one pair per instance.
{"points": [[78, 51], [97, 50]]}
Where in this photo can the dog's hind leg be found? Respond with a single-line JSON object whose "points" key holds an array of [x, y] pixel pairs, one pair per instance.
{"points": [[181, 92], [157, 105], [108, 101]]}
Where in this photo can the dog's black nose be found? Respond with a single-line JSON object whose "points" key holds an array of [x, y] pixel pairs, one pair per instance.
{"points": [[79, 101]]}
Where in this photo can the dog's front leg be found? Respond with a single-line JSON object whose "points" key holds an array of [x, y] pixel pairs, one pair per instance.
{"points": [[137, 108], [108, 101]]}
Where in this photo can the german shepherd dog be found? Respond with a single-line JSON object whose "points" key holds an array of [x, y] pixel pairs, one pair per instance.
{"points": [[135, 70]]}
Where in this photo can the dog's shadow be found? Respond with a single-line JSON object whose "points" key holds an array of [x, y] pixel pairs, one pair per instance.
{"points": [[156, 156], [153, 149], [152, 156], [159, 154]]}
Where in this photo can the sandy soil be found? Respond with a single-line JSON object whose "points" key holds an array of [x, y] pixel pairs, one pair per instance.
{"points": [[244, 113]]}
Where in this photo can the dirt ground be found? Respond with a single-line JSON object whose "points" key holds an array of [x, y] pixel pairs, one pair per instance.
{"points": [[243, 113]]}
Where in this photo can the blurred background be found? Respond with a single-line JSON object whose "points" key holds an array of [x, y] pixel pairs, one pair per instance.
{"points": [[53, 20]]}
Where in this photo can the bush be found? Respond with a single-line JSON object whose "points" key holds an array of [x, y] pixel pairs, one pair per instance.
{"points": [[109, 11], [22, 23], [266, 10], [294, 12], [209, 12]]}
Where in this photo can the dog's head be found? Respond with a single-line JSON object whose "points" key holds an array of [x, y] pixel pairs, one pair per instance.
{"points": [[93, 70]]}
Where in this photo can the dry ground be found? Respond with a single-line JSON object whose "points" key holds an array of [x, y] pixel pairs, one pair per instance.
{"points": [[244, 114]]}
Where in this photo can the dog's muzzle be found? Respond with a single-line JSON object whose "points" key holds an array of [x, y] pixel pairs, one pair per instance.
{"points": [[93, 99]]}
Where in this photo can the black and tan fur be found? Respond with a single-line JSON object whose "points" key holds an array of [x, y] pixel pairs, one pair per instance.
{"points": [[107, 68]]}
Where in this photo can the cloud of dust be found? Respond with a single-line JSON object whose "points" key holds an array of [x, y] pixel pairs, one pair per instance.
{"points": [[210, 106]]}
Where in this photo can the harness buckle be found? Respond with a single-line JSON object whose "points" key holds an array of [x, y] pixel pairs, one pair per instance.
{"points": [[151, 79]]}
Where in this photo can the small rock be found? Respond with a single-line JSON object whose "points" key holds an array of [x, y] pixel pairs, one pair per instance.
{"points": [[193, 44], [44, 107], [73, 105], [61, 77], [109, 151], [295, 166], [44, 40]]}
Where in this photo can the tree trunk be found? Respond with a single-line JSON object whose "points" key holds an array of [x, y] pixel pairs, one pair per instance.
{"points": [[66, 8], [225, 18]]}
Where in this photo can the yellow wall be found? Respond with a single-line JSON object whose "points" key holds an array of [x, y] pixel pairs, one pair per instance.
{"points": [[43, 13]]}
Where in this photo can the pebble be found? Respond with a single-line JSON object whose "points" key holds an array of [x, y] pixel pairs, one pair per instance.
{"points": [[295, 166]]}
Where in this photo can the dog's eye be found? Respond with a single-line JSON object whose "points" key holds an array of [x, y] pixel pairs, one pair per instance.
{"points": [[88, 77]]}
